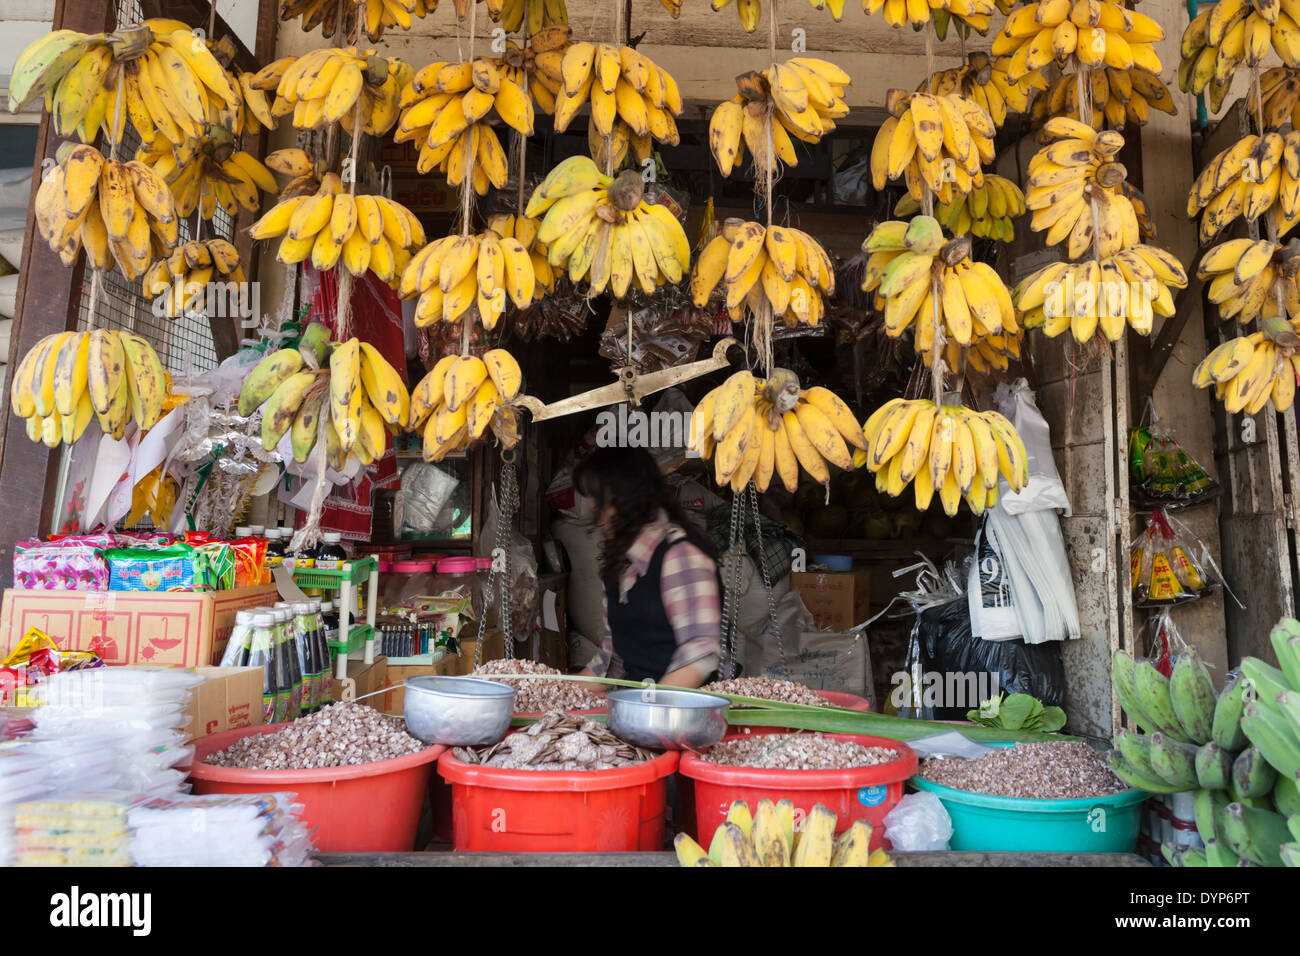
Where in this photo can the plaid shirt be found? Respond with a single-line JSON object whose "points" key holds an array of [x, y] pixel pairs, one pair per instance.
{"points": [[688, 587]]}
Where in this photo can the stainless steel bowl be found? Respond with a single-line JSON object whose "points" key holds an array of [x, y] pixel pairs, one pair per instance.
{"points": [[457, 711], [667, 719]]}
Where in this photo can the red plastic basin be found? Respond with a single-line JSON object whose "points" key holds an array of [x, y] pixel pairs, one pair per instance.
{"points": [[840, 699], [369, 807], [558, 811], [861, 793]]}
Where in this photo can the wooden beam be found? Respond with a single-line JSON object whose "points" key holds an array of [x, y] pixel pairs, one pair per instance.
{"points": [[49, 296]]}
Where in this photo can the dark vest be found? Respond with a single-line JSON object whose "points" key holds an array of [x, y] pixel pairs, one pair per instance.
{"points": [[642, 635]]}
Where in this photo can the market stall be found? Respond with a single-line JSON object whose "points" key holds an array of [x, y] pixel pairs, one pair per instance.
{"points": [[612, 448]]}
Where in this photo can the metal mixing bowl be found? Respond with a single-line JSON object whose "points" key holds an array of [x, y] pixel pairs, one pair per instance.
{"points": [[457, 711], [667, 719]]}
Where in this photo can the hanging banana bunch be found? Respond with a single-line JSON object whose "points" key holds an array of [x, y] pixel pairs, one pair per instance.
{"points": [[70, 377], [445, 109], [757, 267], [1118, 97], [123, 213], [453, 273], [1129, 287], [532, 16], [324, 86], [921, 279], [936, 142], [1232, 32], [209, 173], [181, 279], [986, 211], [537, 67], [601, 229], [984, 82], [524, 230], [800, 98], [1089, 34], [1249, 279], [345, 393], [1255, 176], [1249, 371], [379, 15], [332, 226], [168, 82], [756, 429], [1280, 91], [949, 449], [626, 91], [974, 14], [462, 397]]}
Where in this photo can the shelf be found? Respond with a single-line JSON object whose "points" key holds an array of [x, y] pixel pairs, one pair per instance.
{"points": [[419, 660], [355, 643], [355, 572]]}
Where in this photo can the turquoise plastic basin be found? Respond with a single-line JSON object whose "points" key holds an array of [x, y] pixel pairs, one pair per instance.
{"points": [[1108, 824]]}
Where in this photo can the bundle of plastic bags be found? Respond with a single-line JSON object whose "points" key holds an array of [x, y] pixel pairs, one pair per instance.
{"points": [[258, 829]]}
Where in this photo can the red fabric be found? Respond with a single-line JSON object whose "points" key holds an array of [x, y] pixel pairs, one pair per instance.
{"points": [[377, 319]]}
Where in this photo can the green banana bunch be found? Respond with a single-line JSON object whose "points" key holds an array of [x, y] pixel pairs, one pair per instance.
{"points": [[1239, 750]]}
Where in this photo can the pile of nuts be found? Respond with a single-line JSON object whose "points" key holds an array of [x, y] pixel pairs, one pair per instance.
{"points": [[796, 752], [337, 736], [557, 741], [1059, 770], [768, 688], [539, 696]]}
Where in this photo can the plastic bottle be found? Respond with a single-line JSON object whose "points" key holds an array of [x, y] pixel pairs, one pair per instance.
{"points": [[237, 648], [261, 653], [241, 531], [330, 553], [305, 622], [256, 530], [324, 616], [292, 638]]}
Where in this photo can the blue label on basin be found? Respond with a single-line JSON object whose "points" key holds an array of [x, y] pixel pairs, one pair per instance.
{"points": [[872, 796]]}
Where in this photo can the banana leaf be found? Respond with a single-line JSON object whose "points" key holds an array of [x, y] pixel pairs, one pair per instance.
{"points": [[757, 712]]}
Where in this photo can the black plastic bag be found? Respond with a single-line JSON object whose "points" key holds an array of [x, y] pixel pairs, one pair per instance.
{"points": [[966, 664]]}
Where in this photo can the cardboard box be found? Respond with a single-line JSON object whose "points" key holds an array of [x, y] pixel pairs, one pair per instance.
{"points": [[494, 646], [229, 698], [837, 601], [362, 679], [175, 629]]}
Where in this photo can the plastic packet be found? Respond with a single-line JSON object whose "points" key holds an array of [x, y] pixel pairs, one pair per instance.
{"points": [[918, 822]]}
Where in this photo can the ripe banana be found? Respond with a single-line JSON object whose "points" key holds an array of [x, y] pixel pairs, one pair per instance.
{"points": [[69, 377], [1118, 97], [936, 141], [1087, 35], [776, 268], [332, 227], [952, 450], [798, 99], [336, 85], [123, 213], [182, 279], [452, 274], [462, 398], [601, 229], [972, 14], [768, 838], [925, 283], [379, 15]]}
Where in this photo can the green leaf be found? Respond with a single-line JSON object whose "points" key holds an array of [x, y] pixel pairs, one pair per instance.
{"points": [[1016, 710], [1053, 720]]}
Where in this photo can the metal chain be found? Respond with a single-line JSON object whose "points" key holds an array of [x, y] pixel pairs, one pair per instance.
{"points": [[767, 577], [502, 596], [731, 588]]}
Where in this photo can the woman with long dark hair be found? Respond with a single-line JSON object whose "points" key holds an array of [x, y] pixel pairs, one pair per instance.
{"points": [[663, 593]]}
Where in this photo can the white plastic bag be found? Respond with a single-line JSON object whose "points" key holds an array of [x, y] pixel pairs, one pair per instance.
{"points": [[919, 822], [1044, 490]]}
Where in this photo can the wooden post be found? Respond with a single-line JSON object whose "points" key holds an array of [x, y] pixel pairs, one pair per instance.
{"points": [[49, 296]]}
